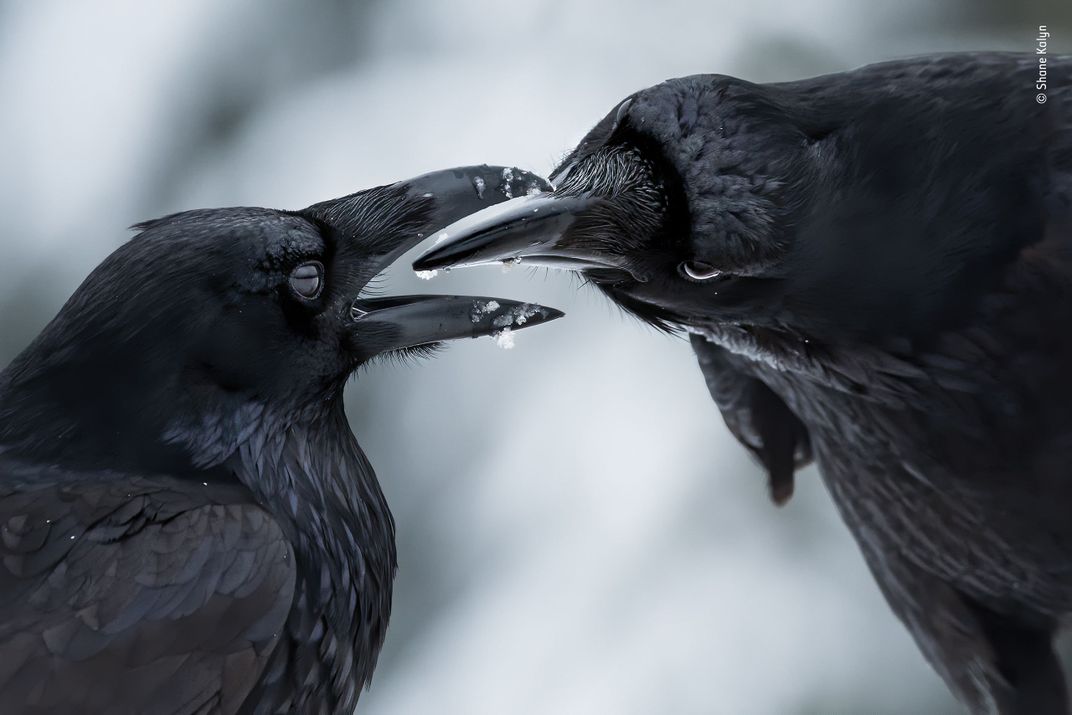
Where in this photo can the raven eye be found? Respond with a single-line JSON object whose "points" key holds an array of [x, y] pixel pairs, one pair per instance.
{"points": [[307, 279], [699, 271]]}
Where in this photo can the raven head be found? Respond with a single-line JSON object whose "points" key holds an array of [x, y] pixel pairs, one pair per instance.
{"points": [[842, 207], [665, 205], [187, 336]]}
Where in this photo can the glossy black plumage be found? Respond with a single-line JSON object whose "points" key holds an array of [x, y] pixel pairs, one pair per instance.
{"points": [[885, 286], [187, 524]]}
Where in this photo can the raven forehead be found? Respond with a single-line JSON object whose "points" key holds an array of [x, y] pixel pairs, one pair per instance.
{"points": [[268, 225], [735, 152], [678, 107], [268, 238]]}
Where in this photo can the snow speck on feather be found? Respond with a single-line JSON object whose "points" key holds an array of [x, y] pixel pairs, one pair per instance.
{"points": [[478, 184], [426, 275]]}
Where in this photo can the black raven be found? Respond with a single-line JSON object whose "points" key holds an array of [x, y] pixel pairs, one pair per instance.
{"points": [[875, 270], [187, 524]]}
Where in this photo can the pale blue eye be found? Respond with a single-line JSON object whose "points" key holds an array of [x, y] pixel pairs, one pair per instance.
{"points": [[307, 279]]}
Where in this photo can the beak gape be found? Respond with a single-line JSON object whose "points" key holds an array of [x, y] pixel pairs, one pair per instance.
{"points": [[397, 322]]}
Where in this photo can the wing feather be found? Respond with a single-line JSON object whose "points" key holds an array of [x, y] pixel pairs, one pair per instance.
{"points": [[756, 416], [136, 595]]}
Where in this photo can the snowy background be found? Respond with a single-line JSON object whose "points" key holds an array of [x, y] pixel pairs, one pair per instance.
{"points": [[578, 531]]}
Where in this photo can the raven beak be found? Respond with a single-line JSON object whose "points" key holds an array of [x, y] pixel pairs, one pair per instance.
{"points": [[396, 322], [449, 194], [527, 229], [380, 325]]}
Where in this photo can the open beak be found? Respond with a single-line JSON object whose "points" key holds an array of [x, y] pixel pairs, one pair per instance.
{"points": [[396, 322], [529, 229], [442, 197]]}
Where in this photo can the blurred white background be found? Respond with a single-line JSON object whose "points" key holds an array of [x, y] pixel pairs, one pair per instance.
{"points": [[578, 531]]}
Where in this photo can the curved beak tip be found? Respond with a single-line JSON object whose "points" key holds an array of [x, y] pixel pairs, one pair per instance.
{"points": [[492, 314]]}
